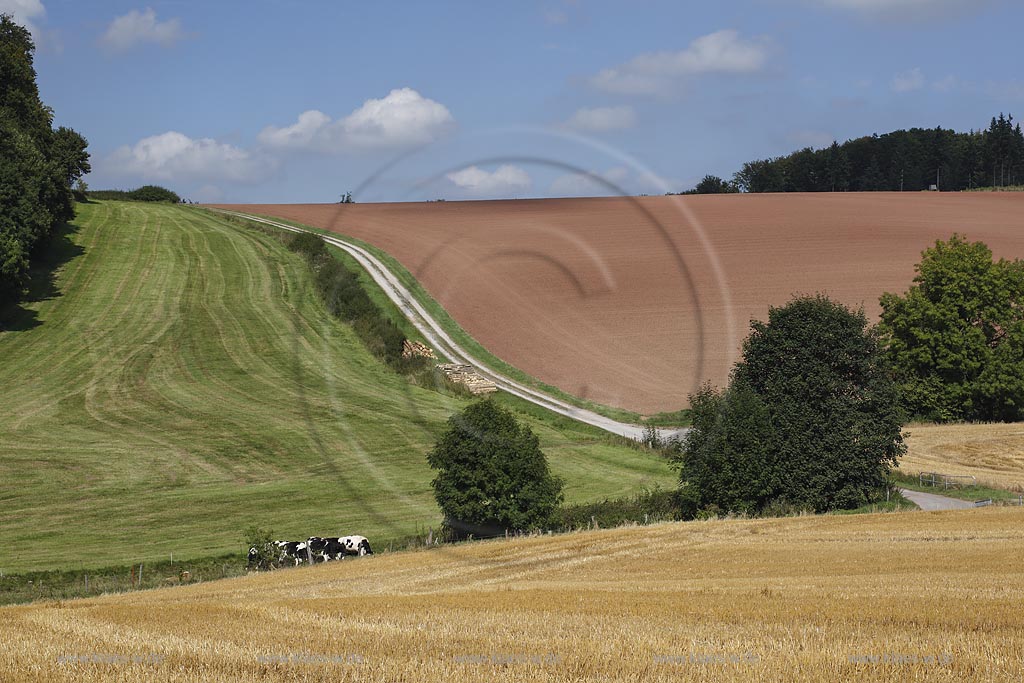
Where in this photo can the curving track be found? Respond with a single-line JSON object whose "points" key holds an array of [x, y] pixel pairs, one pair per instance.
{"points": [[442, 342]]}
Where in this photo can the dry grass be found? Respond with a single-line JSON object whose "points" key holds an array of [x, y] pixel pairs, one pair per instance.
{"points": [[994, 453], [769, 600]]}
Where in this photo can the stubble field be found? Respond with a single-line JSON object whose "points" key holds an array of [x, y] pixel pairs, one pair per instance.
{"points": [[897, 596], [993, 453]]}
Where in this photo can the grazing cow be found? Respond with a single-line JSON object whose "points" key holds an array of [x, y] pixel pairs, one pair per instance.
{"points": [[355, 545], [326, 549], [292, 550], [254, 557]]}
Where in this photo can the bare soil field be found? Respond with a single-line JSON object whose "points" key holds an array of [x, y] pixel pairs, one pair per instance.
{"points": [[894, 596], [994, 453], [633, 302]]}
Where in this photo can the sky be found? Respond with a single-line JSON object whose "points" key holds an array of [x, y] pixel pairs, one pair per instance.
{"points": [[278, 101]]}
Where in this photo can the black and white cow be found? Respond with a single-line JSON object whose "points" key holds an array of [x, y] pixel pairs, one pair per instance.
{"points": [[297, 551], [254, 556], [325, 549], [355, 545]]}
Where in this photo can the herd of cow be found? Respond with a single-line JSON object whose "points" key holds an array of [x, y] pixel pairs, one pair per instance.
{"points": [[313, 550]]}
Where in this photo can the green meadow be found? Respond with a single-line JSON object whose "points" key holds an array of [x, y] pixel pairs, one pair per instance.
{"points": [[180, 380]]}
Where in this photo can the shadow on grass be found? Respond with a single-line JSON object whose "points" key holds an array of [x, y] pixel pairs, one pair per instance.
{"points": [[53, 255]]}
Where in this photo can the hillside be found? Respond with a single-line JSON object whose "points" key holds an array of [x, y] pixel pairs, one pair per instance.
{"points": [[922, 596], [184, 382], [633, 302]]}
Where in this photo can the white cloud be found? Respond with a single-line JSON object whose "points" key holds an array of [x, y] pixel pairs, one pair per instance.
{"points": [[135, 28], [300, 134], [600, 119], [504, 181], [908, 81], [947, 84], [24, 12], [722, 52], [403, 118], [175, 156]]}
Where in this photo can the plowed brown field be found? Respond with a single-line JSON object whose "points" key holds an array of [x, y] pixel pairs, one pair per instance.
{"points": [[632, 302]]}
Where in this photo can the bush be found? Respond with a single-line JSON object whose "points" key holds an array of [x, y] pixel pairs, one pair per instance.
{"points": [[646, 506], [492, 478], [309, 245], [146, 193], [263, 541]]}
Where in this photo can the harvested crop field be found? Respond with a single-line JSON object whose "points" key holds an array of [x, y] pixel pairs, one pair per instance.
{"points": [[897, 596], [632, 302], [993, 453]]}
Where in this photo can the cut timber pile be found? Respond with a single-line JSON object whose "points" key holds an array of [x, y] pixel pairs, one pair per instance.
{"points": [[466, 375], [414, 349]]}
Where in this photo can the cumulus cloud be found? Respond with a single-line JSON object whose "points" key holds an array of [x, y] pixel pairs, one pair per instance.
{"points": [[300, 134], [506, 180], [601, 119], [136, 28], [722, 52], [25, 12], [403, 118], [908, 81], [175, 156]]}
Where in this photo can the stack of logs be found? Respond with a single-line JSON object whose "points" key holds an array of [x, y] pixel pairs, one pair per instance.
{"points": [[468, 376], [415, 349]]}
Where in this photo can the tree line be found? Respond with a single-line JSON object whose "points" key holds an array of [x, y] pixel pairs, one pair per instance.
{"points": [[38, 164], [903, 160]]}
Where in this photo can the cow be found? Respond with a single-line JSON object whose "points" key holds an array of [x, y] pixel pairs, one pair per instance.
{"points": [[325, 549], [293, 550], [254, 556], [355, 545]]}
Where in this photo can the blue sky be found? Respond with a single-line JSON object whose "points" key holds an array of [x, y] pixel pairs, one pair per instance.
{"points": [[278, 101]]}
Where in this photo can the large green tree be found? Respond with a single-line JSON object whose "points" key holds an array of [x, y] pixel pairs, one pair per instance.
{"points": [[492, 476], [38, 165], [957, 335], [810, 419]]}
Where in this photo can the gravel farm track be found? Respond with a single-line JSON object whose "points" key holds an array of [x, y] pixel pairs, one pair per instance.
{"points": [[594, 295]]}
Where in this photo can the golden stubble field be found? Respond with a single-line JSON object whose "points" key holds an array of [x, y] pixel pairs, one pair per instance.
{"points": [[899, 596], [994, 453]]}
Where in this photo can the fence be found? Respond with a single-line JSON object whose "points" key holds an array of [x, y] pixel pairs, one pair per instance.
{"points": [[948, 481]]}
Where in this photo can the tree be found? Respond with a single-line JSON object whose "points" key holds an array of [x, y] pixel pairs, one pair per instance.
{"points": [[956, 337], [712, 184], [809, 420], [727, 461], [70, 155], [37, 164], [491, 474]]}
